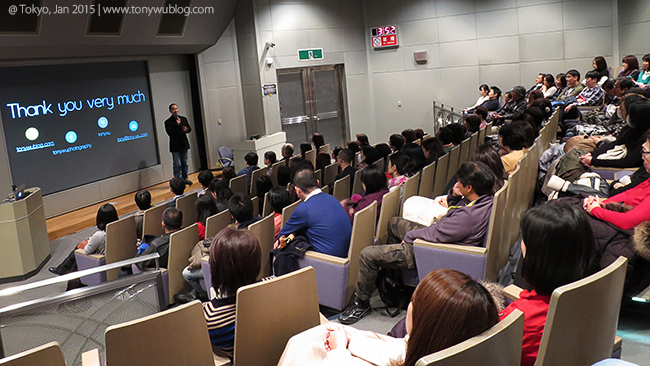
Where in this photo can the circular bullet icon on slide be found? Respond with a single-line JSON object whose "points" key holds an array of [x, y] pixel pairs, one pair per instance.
{"points": [[133, 126], [31, 134], [71, 137], [102, 122]]}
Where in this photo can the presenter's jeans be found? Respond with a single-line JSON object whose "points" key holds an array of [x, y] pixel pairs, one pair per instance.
{"points": [[179, 159]]}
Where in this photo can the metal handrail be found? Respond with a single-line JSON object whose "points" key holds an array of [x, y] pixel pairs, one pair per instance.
{"points": [[443, 116], [74, 275]]}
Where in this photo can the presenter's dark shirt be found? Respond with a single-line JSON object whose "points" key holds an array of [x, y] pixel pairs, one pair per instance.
{"points": [[177, 137]]}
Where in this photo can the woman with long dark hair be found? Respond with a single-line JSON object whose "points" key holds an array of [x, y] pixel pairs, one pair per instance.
{"points": [[205, 207], [448, 307], [630, 67]]}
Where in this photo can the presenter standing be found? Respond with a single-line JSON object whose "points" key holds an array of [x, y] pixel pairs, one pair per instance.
{"points": [[177, 128]]}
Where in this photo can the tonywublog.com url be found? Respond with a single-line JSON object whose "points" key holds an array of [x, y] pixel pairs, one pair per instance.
{"points": [[85, 9]]}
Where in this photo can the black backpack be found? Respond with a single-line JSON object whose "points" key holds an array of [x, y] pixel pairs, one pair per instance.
{"points": [[392, 290]]}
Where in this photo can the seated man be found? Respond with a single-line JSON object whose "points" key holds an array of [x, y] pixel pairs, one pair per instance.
{"points": [[251, 165], [205, 178], [591, 95], [513, 109], [287, 153], [172, 222], [321, 218], [464, 224], [344, 161], [574, 87], [241, 209], [177, 187]]}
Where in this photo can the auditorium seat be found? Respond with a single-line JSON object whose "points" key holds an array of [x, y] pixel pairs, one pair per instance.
{"points": [[465, 150], [216, 223], [356, 186], [582, 318], [264, 232], [120, 244], [311, 156], [152, 221], [426, 182], [254, 177], [274, 172], [187, 205], [267, 208], [409, 189], [330, 173], [441, 179], [389, 209], [341, 189], [499, 345], [324, 149], [337, 276], [178, 336], [239, 185], [287, 211], [477, 262], [48, 354]]}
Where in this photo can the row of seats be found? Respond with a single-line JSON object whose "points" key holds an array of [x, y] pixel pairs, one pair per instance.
{"points": [[580, 329]]}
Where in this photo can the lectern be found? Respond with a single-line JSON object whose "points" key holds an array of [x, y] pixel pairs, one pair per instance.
{"points": [[24, 245]]}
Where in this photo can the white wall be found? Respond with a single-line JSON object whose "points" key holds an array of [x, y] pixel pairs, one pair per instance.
{"points": [[221, 95], [497, 42]]}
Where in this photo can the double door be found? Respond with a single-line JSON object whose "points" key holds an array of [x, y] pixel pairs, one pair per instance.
{"points": [[312, 100]]}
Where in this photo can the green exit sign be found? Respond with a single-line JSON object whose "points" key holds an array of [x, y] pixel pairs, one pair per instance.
{"points": [[310, 54]]}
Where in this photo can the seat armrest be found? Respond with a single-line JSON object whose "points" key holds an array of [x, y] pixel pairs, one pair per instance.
{"points": [[96, 256], [468, 249], [326, 258], [91, 358], [512, 292]]}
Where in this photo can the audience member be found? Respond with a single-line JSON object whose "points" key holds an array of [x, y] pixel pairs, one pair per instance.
{"points": [[172, 221], [419, 133], [527, 126], [205, 177], [555, 253], [221, 194], [459, 132], [143, 201], [482, 112], [489, 156], [235, 261], [447, 307], [573, 88], [251, 165], [287, 153], [472, 124], [279, 198], [284, 176], [177, 187], [512, 142], [409, 135], [539, 83], [373, 181], [644, 74], [417, 161], [483, 89], [205, 207], [383, 150], [395, 142], [96, 244], [304, 147], [432, 149], [269, 159], [344, 162], [241, 209], [318, 140], [362, 140], [549, 87], [591, 95], [476, 182], [630, 67], [397, 164], [600, 66], [263, 184], [446, 137], [227, 174], [560, 84], [319, 217], [518, 105], [322, 161], [354, 147], [636, 199]]}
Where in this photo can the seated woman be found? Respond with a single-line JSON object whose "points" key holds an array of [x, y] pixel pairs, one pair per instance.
{"points": [[235, 260], [373, 181], [417, 161], [397, 169], [512, 144], [448, 307], [432, 149], [630, 67], [635, 201], [555, 253], [205, 207], [644, 74], [279, 198], [600, 66], [549, 88], [93, 245], [625, 151], [484, 89], [220, 193]]}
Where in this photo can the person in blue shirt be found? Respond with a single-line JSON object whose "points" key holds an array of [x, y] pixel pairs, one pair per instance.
{"points": [[251, 165], [321, 218]]}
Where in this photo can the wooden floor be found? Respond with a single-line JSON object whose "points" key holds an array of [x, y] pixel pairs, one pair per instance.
{"points": [[74, 221]]}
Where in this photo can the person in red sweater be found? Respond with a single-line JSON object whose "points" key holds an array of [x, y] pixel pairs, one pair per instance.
{"points": [[555, 253], [637, 198]]}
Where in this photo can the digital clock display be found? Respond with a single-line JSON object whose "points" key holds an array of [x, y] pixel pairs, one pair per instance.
{"points": [[384, 31]]}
